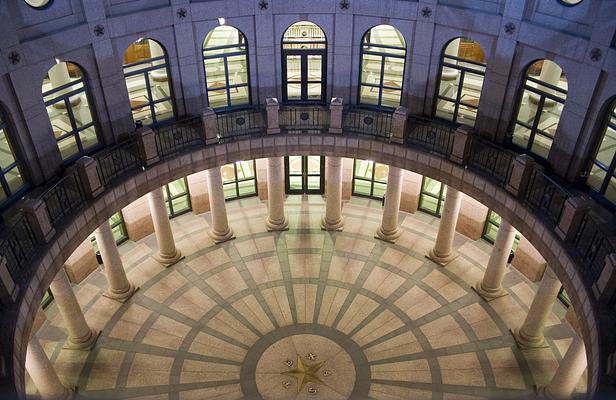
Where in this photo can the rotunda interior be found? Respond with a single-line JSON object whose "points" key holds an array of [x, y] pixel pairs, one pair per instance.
{"points": [[289, 199]]}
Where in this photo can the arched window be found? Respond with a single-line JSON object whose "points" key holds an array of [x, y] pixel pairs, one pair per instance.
{"points": [[147, 77], [383, 52], [542, 98], [11, 178], [463, 67], [67, 100], [602, 176], [225, 58], [304, 63]]}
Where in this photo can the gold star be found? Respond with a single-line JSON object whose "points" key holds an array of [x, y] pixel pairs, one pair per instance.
{"points": [[305, 373]]}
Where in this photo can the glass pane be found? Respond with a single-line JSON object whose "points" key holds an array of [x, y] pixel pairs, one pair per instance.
{"points": [[528, 108], [228, 173], [471, 89], [314, 182], [391, 97], [88, 138], [362, 187], [385, 35], [14, 179], [314, 165], [245, 169], [315, 68], [294, 68], [596, 177], [541, 145], [217, 98], [371, 69], [137, 92], [215, 73], [490, 232], [163, 110], [363, 169], [449, 87], [6, 152], [230, 190], [294, 91], [296, 36], [428, 203], [238, 70], [432, 186], [607, 148], [393, 72], [369, 95], [550, 115], [381, 172], [247, 187], [610, 191], [160, 85], [521, 136], [445, 109], [379, 190], [68, 147], [177, 187], [115, 219], [143, 114], [181, 205], [295, 183], [295, 165], [239, 95], [314, 91]]}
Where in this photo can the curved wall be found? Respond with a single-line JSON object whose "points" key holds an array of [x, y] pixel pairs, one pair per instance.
{"points": [[77, 230]]}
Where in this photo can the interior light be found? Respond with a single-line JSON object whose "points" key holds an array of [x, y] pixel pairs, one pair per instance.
{"points": [[222, 20], [58, 61]]}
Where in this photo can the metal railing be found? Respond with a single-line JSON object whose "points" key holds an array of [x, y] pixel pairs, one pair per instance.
{"points": [[369, 122], [491, 159], [546, 196], [183, 134], [237, 124], [592, 245], [17, 246], [304, 119], [433, 136], [117, 160], [64, 197]]}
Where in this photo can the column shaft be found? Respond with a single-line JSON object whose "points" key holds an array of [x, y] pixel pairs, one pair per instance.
{"points": [[490, 287], [220, 232], [120, 288], [80, 335], [388, 230], [276, 219], [42, 373], [168, 254], [530, 334], [333, 220], [442, 253], [568, 373]]}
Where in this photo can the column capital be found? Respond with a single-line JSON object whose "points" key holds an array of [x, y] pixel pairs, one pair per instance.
{"points": [[336, 107], [520, 174], [272, 108], [146, 142], [398, 124], [88, 174], [210, 126]]}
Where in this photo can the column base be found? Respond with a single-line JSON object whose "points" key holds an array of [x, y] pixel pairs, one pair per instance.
{"points": [[488, 295], [86, 344], [123, 296], [273, 226], [168, 261], [441, 260], [527, 343], [332, 226], [218, 237], [389, 237]]}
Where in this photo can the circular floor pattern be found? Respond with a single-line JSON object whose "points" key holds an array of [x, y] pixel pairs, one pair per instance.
{"points": [[412, 329]]}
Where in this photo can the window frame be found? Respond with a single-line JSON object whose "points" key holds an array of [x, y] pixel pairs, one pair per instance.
{"points": [[490, 221], [372, 181], [236, 182], [382, 55], [243, 45], [440, 200], [65, 97], [145, 73], [304, 175], [169, 198], [10, 196], [463, 70], [610, 171]]}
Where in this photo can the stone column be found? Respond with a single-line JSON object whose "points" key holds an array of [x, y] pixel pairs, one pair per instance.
{"points": [[221, 232], [276, 220], [530, 334], [442, 253], [80, 335], [43, 375], [168, 254], [333, 219], [490, 287], [120, 288], [568, 373], [388, 230]]}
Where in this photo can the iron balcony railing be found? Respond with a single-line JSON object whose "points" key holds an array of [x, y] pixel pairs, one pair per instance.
{"points": [[545, 196], [369, 122], [236, 124], [64, 197], [117, 161], [179, 136], [592, 245], [17, 246], [304, 119], [492, 160], [432, 136]]}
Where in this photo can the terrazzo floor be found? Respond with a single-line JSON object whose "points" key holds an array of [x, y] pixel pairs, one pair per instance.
{"points": [[305, 314]]}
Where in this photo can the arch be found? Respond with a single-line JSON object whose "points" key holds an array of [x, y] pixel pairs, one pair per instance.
{"points": [[460, 82], [12, 180], [304, 63], [67, 100], [85, 220], [227, 73], [601, 177], [147, 78], [382, 65], [541, 98]]}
